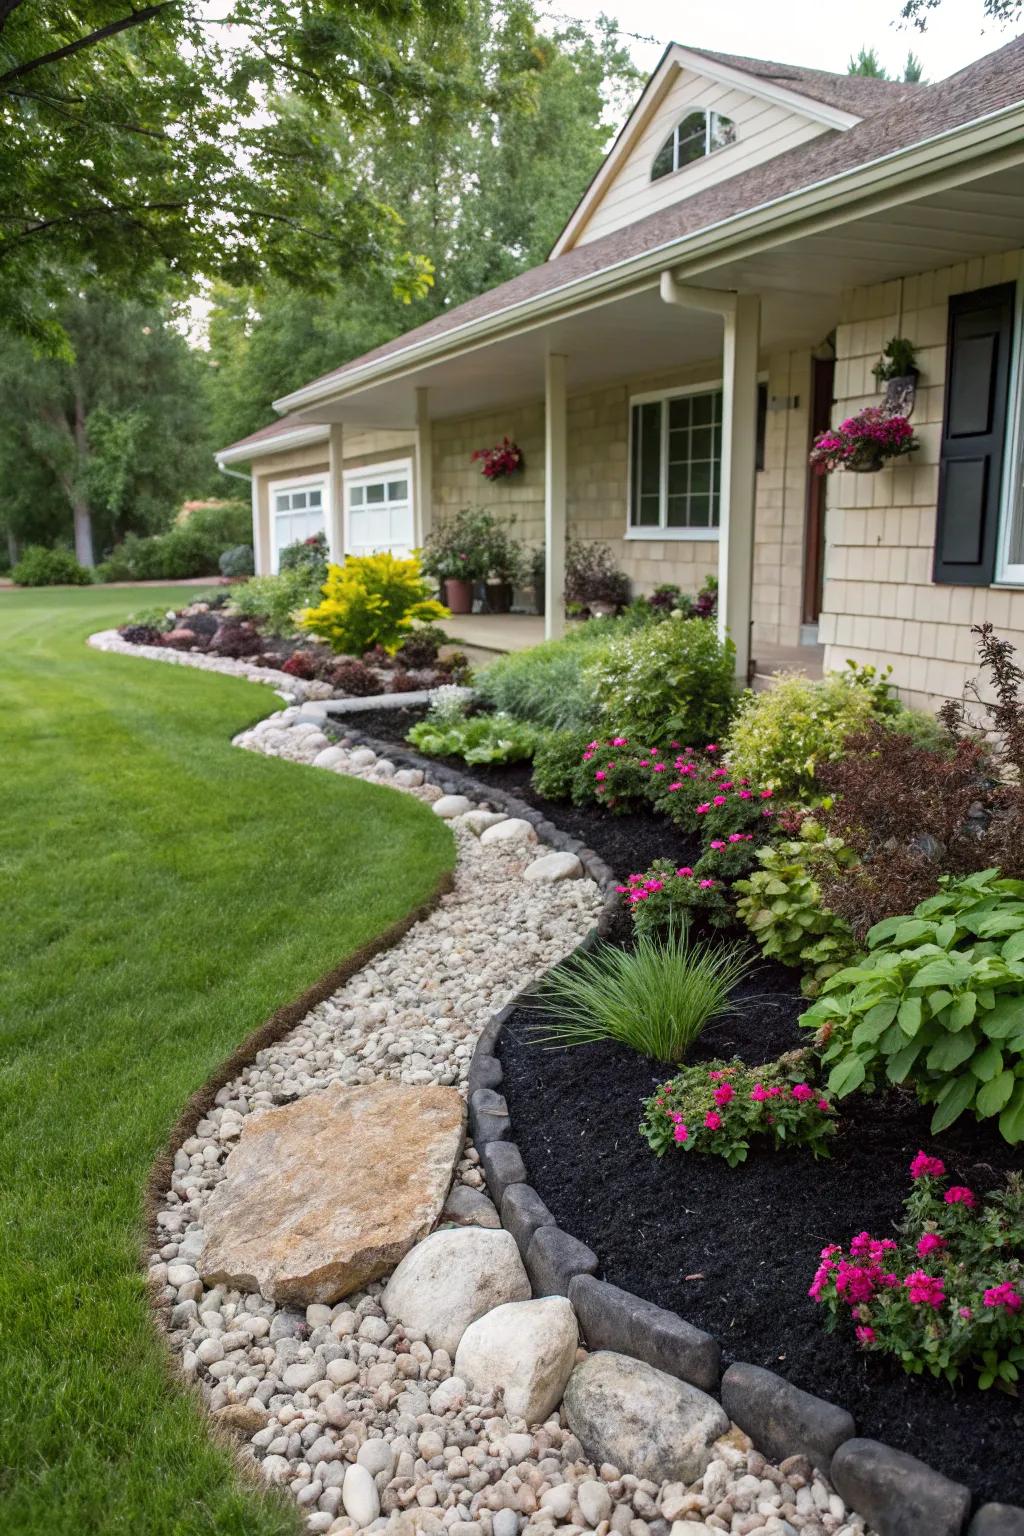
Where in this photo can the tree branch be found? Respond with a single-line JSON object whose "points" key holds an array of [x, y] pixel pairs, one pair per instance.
{"points": [[134, 19]]}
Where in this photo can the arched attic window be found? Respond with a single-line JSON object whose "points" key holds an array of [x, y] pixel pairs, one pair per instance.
{"points": [[697, 135]]}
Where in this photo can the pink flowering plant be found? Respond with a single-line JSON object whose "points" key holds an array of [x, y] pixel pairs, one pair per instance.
{"points": [[864, 441], [721, 1107], [499, 462], [697, 790], [945, 1295], [666, 894]]}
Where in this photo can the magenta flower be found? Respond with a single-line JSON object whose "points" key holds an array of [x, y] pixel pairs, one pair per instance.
{"points": [[712, 1121], [721, 800], [864, 1334], [716, 843], [1005, 1296], [930, 1242], [959, 1194], [685, 871], [803, 1092], [925, 1167], [925, 1290], [724, 1095], [680, 1133], [600, 775], [620, 741], [702, 810], [759, 1093], [824, 1105], [707, 885]]}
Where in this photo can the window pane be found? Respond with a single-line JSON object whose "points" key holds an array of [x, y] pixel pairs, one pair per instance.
{"points": [[700, 476], [703, 407], [375, 493], [356, 496], [700, 510], [298, 501], [316, 498], [714, 510], [282, 501], [664, 160], [677, 510], [692, 139], [694, 449], [646, 487], [398, 490], [678, 478], [700, 442], [722, 131], [679, 411], [648, 514]]}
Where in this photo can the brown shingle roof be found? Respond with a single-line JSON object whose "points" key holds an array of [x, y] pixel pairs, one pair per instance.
{"points": [[859, 94], [995, 81], [291, 423]]}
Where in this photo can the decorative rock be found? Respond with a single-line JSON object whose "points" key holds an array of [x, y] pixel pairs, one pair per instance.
{"points": [[409, 778], [615, 1319], [376, 1456], [246, 1418], [505, 1523], [450, 806], [320, 1196], [997, 1520], [503, 1165], [780, 1418], [594, 1500], [362, 757], [359, 1495], [511, 830], [468, 1207], [330, 757], [451, 1279], [553, 866], [553, 1258], [640, 1420], [897, 1494], [528, 1348], [488, 1117], [522, 1212], [477, 822]]}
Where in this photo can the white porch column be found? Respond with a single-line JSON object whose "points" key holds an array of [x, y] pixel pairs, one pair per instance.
{"points": [[738, 475], [555, 454], [336, 493], [423, 487]]}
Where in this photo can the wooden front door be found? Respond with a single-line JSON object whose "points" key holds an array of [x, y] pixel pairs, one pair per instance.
{"points": [[822, 384]]}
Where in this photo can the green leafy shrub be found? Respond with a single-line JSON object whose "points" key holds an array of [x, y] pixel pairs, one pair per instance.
{"points": [[276, 601], [779, 737], [551, 684], [946, 1295], [192, 547], [39, 567], [720, 1107], [237, 561], [781, 905], [309, 555], [480, 739], [938, 1002], [657, 997], [556, 761], [667, 680], [369, 601], [665, 897]]}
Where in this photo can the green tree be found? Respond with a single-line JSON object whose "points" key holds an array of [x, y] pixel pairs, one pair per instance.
{"points": [[175, 138], [866, 62], [913, 69], [485, 178], [107, 442], [1002, 11]]}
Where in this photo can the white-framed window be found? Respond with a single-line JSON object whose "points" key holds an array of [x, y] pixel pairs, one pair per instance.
{"points": [[379, 509], [675, 464], [698, 134], [1010, 557], [297, 511]]}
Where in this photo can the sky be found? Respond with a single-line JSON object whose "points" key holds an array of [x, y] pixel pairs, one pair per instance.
{"points": [[821, 34]]}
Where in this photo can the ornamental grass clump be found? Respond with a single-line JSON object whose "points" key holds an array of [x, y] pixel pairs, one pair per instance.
{"points": [[656, 998], [372, 600], [938, 1003], [721, 1107], [946, 1295]]}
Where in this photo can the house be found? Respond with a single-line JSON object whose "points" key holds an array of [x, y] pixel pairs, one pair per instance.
{"points": [[755, 235]]}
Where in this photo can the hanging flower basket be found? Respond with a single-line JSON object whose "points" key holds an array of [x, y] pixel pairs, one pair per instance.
{"points": [[504, 459], [863, 443]]}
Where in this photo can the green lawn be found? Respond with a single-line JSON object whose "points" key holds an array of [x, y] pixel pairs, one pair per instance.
{"points": [[161, 893]]}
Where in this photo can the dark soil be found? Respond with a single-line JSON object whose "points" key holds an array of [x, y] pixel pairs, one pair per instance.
{"points": [[734, 1250]]}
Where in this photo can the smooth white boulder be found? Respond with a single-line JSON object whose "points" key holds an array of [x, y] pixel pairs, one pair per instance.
{"points": [[513, 829], [409, 778], [450, 806], [362, 757], [330, 757], [528, 1348], [553, 866], [453, 1277], [359, 1495], [478, 821]]}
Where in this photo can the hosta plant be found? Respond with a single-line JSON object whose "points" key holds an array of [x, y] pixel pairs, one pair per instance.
{"points": [[721, 1107], [937, 1002], [780, 902], [946, 1294], [480, 739]]}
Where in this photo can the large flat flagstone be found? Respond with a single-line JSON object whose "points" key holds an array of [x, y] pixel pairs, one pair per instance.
{"points": [[323, 1195]]}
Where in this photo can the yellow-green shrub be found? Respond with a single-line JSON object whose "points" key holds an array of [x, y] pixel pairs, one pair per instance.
{"points": [[371, 600], [779, 736]]}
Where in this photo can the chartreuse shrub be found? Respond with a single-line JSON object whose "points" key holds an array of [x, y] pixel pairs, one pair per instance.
{"points": [[478, 739], [780, 902], [720, 1107], [657, 997], [780, 736], [667, 680], [372, 600], [946, 1295], [937, 1002], [40, 567]]}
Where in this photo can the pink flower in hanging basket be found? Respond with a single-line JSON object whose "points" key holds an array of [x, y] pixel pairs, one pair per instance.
{"points": [[501, 460], [863, 442]]}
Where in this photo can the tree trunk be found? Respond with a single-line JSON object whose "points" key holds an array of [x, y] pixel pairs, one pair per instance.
{"points": [[12, 547], [83, 514]]}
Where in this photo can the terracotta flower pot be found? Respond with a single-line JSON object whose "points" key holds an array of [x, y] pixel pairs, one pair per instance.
{"points": [[458, 595]]}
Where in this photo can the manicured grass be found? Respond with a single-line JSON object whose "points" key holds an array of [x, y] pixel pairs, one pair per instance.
{"points": [[162, 893]]}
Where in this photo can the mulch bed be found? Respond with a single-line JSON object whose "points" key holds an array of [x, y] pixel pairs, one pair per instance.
{"points": [[734, 1250]]}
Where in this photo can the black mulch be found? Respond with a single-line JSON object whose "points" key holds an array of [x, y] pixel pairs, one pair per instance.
{"points": [[734, 1250]]}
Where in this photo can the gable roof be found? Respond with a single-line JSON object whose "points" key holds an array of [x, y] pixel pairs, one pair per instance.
{"points": [[860, 94], [985, 87], [275, 437]]}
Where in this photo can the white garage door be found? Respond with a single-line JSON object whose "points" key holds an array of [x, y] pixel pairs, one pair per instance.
{"points": [[298, 513], [379, 509]]}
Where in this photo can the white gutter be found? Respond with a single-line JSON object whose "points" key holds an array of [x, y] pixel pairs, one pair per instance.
{"points": [[296, 437], [997, 133]]}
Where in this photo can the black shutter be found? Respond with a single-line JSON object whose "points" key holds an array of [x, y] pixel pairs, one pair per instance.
{"points": [[973, 435]]}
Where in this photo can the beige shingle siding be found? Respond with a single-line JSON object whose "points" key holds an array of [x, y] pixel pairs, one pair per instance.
{"points": [[881, 604]]}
